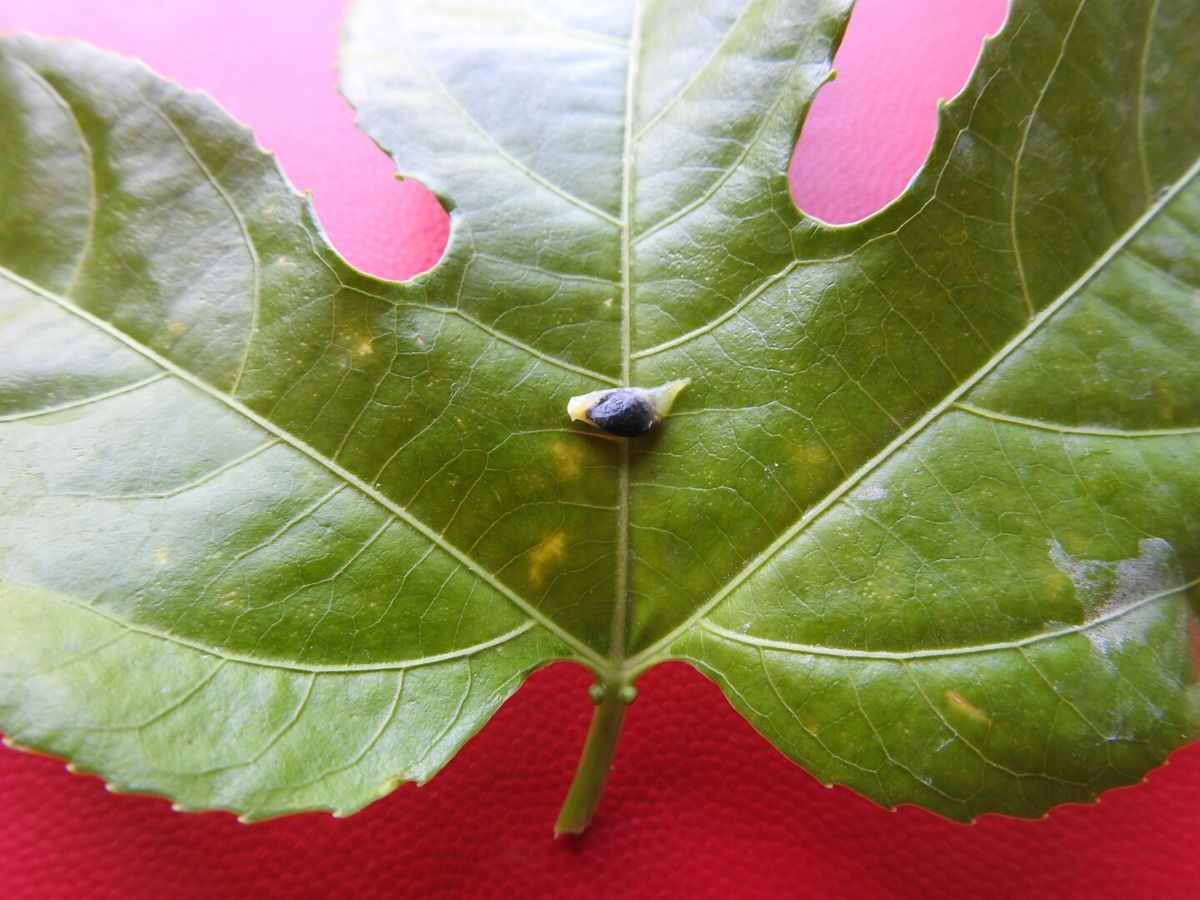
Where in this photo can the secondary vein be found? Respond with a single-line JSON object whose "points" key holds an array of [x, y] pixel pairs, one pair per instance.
{"points": [[933, 653]]}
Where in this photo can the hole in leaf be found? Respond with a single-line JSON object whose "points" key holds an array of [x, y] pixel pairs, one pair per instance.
{"points": [[397, 236], [871, 128]]}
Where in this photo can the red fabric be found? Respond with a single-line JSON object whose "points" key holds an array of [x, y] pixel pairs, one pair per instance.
{"points": [[698, 803]]}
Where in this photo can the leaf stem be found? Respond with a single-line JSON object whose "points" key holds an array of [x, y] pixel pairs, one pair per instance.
{"points": [[612, 699]]}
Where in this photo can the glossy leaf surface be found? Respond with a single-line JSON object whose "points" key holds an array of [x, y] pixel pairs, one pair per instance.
{"points": [[275, 535]]}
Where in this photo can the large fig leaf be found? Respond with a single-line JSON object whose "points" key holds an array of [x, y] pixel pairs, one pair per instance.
{"points": [[275, 535]]}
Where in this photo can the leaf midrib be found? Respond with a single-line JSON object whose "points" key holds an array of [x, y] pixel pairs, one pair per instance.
{"points": [[619, 625], [589, 655]]}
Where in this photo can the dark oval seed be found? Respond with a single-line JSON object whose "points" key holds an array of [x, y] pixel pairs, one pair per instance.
{"points": [[623, 412]]}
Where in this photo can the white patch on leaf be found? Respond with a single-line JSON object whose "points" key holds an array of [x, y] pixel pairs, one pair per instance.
{"points": [[1111, 588]]}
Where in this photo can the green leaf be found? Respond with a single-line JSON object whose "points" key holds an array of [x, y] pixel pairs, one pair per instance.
{"points": [[275, 535]]}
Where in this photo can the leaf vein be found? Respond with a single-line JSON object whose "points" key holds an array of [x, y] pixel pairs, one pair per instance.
{"points": [[901, 656], [1084, 430], [93, 205], [251, 249], [85, 401], [1016, 167], [285, 665], [525, 170]]}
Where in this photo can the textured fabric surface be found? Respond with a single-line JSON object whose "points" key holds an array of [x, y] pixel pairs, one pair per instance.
{"points": [[698, 803]]}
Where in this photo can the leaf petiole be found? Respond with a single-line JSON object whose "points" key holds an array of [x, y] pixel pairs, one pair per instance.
{"points": [[612, 699]]}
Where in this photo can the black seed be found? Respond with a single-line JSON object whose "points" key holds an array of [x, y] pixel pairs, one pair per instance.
{"points": [[623, 412]]}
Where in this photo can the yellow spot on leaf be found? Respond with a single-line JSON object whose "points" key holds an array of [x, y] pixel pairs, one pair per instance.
{"points": [[365, 347], [961, 704], [812, 455], [548, 551], [161, 557], [1075, 542], [1056, 585], [568, 458]]}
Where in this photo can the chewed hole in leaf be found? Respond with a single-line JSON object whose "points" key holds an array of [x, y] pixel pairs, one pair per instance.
{"points": [[852, 159], [409, 238]]}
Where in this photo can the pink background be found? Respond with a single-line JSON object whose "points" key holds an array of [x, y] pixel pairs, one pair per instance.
{"points": [[697, 803]]}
